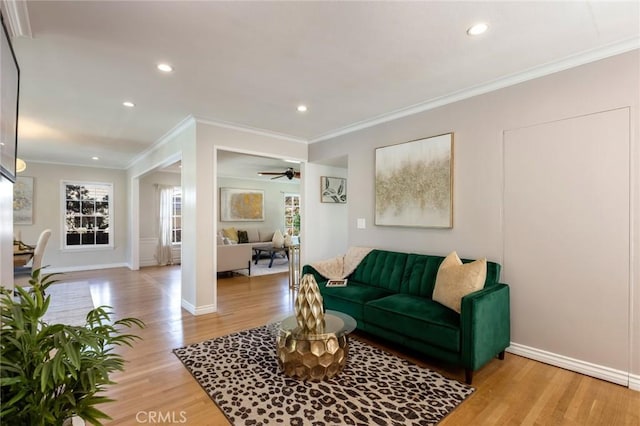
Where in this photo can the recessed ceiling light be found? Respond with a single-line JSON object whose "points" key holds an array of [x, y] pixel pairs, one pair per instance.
{"points": [[165, 67], [95, 158], [477, 29], [302, 108], [128, 104]]}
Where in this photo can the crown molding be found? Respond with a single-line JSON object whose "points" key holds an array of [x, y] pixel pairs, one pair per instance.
{"points": [[17, 18], [510, 80], [253, 130], [178, 128]]}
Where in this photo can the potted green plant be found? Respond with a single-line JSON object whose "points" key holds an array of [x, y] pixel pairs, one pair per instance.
{"points": [[50, 373]]}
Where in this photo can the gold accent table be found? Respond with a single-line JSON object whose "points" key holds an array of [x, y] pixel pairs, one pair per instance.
{"points": [[316, 355]]}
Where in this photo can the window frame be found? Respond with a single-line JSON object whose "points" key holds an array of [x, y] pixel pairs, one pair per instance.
{"points": [[111, 222], [293, 195], [173, 216]]}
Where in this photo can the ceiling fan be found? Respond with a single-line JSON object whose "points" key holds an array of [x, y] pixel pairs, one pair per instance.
{"points": [[289, 173]]}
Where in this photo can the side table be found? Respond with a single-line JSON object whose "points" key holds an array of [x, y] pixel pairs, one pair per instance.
{"points": [[318, 355]]}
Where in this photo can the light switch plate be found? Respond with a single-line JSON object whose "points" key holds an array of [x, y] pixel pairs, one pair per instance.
{"points": [[362, 224]]}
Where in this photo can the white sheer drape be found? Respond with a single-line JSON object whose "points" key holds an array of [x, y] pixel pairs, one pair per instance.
{"points": [[164, 197]]}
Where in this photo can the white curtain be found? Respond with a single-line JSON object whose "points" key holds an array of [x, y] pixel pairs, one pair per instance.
{"points": [[164, 197]]}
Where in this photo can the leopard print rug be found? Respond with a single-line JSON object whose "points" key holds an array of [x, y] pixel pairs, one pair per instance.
{"points": [[240, 373]]}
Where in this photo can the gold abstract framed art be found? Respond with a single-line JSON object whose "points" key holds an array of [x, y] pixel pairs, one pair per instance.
{"points": [[241, 205], [414, 183]]}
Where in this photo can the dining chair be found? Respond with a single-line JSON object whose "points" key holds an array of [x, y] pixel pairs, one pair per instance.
{"points": [[38, 254]]}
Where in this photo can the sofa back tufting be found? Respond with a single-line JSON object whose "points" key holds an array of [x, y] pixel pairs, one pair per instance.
{"points": [[408, 273], [381, 269]]}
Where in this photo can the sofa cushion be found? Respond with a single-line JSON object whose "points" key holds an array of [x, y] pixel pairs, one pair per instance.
{"points": [[455, 280], [416, 317], [253, 235], [266, 236], [243, 237], [420, 275], [231, 233], [350, 299], [383, 269]]}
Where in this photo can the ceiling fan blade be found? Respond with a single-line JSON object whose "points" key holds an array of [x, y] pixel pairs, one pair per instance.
{"points": [[270, 173], [277, 177]]}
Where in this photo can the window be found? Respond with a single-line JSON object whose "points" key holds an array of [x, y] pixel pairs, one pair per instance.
{"points": [[87, 214], [292, 214], [176, 215]]}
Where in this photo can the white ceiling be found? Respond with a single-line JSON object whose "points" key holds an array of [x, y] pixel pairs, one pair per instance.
{"points": [[252, 63]]}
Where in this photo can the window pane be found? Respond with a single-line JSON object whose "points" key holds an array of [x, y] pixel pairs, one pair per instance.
{"points": [[73, 207], [102, 208], [88, 208], [73, 239], [102, 237]]}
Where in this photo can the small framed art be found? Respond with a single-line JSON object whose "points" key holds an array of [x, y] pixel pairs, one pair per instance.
{"points": [[333, 189]]}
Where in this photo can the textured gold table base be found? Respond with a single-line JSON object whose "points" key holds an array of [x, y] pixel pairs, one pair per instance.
{"points": [[310, 359]]}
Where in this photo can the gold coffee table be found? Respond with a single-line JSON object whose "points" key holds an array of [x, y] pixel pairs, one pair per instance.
{"points": [[315, 355]]}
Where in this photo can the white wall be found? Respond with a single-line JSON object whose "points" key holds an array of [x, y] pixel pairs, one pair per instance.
{"points": [[47, 213], [196, 144], [325, 225], [273, 202], [479, 124]]}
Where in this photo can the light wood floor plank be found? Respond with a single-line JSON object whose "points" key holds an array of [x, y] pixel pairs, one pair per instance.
{"points": [[515, 391]]}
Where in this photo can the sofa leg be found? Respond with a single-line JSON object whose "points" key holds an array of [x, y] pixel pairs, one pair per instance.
{"points": [[501, 356], [249, 267], [468, 375]]}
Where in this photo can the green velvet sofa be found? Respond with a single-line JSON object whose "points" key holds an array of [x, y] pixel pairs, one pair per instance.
{"points": [[389, 295]]}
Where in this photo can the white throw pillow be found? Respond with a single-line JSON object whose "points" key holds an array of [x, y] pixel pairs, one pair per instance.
{"points": [[278, 239], [455, 280]]}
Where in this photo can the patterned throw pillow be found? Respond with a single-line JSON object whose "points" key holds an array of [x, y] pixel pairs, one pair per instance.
{"points": [[243, 237]]}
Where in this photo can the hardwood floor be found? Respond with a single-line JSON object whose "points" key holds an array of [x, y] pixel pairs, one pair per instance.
{"points": [[156, 389]]}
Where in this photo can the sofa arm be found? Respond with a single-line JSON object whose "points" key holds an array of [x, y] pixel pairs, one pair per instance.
{"points": [[485, 325], [234, 256], [308, 269]]}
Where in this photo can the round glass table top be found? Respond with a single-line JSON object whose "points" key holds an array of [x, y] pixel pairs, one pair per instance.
{"points": [[335, 323]]}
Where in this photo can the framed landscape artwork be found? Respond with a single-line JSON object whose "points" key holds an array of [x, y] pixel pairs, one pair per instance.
{"points": [[241, 205], [414, 183], [333, 190], [23, 201]]}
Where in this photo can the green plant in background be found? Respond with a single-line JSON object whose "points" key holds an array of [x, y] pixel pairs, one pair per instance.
{"points": [[296, 224], [51, 372]]}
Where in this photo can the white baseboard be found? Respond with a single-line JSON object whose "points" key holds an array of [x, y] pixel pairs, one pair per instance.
{"points": [[598, 371], [62, 269], [634, 382], [200, 310]]}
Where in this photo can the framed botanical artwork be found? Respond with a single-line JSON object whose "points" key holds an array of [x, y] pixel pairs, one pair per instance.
{"points": [[241, 205], [23, 201], [414, 183], [333, 189]]}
